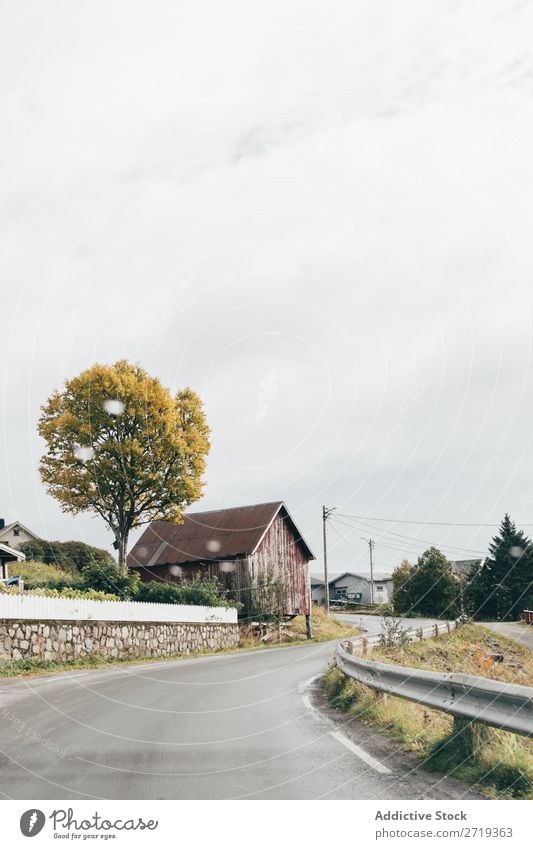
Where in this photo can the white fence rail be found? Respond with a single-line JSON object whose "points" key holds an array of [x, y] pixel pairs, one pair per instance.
{"points": [[496, 703], [41, 607]]}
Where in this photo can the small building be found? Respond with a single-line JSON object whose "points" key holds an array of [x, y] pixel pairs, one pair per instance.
{"points": [[241, 546], [463, 568], [356, 586], [318, 595], [8, 555], [353, 586], [15, 534]]}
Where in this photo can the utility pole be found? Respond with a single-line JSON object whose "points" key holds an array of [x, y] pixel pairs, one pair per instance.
{"points": [[326, 513], [371, 545]]}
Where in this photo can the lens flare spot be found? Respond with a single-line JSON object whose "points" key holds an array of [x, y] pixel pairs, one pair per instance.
{"points": [[84, 453], [113, 406]]}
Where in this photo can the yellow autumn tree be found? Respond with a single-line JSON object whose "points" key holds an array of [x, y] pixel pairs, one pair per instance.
{"points": [[120, 445]]}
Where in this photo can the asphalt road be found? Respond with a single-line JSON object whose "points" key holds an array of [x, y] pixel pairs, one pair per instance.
{"points": [[374, 624], [517, 631], [229, 726]]}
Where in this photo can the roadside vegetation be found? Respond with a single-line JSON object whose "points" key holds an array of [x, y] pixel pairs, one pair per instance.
{"points": [[498, 762], [104, 581], [499, 587], [323, 628]]}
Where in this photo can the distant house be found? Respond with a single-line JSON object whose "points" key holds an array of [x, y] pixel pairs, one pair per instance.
{"points": [[8, 555], [354, 586], [15, 534], [238, 545], [318, 595], [463, 568]]}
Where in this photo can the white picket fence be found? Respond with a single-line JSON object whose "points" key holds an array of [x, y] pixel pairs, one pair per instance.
{"points": [[40, 607]]}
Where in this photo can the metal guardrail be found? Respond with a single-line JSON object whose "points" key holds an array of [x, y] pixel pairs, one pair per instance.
{"points": [[495, 703]]}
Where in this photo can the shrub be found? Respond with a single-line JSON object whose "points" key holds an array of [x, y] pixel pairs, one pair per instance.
{"points": [[70, 556], [108, 578], [69, 592], [205, 591], [36, 574]]}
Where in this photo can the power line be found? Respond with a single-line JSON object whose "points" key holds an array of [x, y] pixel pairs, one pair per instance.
{"points": [[442, 524], [367, 528], [411, 541]]}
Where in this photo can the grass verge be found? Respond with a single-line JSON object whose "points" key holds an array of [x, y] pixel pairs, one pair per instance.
{"points": [[499, 763]]}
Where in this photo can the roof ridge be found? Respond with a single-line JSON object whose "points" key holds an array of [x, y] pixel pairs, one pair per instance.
{"points": [[222, 510]]}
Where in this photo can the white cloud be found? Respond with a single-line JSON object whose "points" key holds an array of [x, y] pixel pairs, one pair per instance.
{"points": [[334, 194]]}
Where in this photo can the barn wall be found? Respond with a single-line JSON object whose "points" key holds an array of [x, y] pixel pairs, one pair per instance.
{"points": [[280, 552]]}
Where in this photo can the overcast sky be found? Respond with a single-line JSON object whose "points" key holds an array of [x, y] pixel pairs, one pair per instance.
{"points": [[318, 215]]}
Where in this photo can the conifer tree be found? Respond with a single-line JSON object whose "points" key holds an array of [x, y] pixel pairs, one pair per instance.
{"points": [[503, 584]]}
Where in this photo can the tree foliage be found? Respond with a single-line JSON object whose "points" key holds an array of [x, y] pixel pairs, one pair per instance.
{"points": [[502, 585], [402, 596], [429, 588], [69, 556], [120, 445]]}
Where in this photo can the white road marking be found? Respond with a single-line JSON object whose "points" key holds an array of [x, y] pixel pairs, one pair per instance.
{"points": [[338, 735], [357, 750]]}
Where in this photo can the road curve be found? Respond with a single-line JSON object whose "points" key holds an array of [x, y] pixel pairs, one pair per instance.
{"points": [[229, 726]]}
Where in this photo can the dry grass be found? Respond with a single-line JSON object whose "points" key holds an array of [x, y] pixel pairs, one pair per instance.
{"points": [[499, 763], [472, 649], [323, 628]]}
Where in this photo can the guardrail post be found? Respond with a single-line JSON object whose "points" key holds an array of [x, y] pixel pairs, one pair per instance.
{"points": [[471, 737], [364, 646], [449, 627], [436, 628]]}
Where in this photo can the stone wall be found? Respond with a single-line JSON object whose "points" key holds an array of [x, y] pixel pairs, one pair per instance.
{"points": [[60, 641]]}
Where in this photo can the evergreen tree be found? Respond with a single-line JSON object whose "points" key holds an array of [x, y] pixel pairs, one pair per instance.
{"points": [[502, 587]]}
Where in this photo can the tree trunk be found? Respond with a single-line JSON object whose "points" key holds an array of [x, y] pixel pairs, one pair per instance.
{"points": [[122, 542]]}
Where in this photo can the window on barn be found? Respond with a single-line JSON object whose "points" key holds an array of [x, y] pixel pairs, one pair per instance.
{"points": [[379, 589], [341, 592]]}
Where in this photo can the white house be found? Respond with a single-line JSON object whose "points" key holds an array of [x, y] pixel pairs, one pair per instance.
{"points": [[353, 586], [8, 555], [15, 534]]}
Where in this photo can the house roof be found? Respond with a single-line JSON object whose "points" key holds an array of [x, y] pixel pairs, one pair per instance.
{"points": [[8, 528], [209, 535], [378, 576], [463, 567], [317, 580], [12, 553]]}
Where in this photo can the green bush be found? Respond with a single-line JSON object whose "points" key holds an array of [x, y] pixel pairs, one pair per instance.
{"points": [[204, 591], [69, 592], [108, 578], [35, 574], [70, 556]]}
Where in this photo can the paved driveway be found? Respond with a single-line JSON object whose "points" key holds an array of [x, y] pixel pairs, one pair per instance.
{"points": [[374, 624], [521, 633]]}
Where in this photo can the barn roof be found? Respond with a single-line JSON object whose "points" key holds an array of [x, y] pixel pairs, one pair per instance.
{"points": [[209, 535]]}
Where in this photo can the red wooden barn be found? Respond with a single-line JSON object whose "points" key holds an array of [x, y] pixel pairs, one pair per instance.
{"points": [[238, 545]]}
